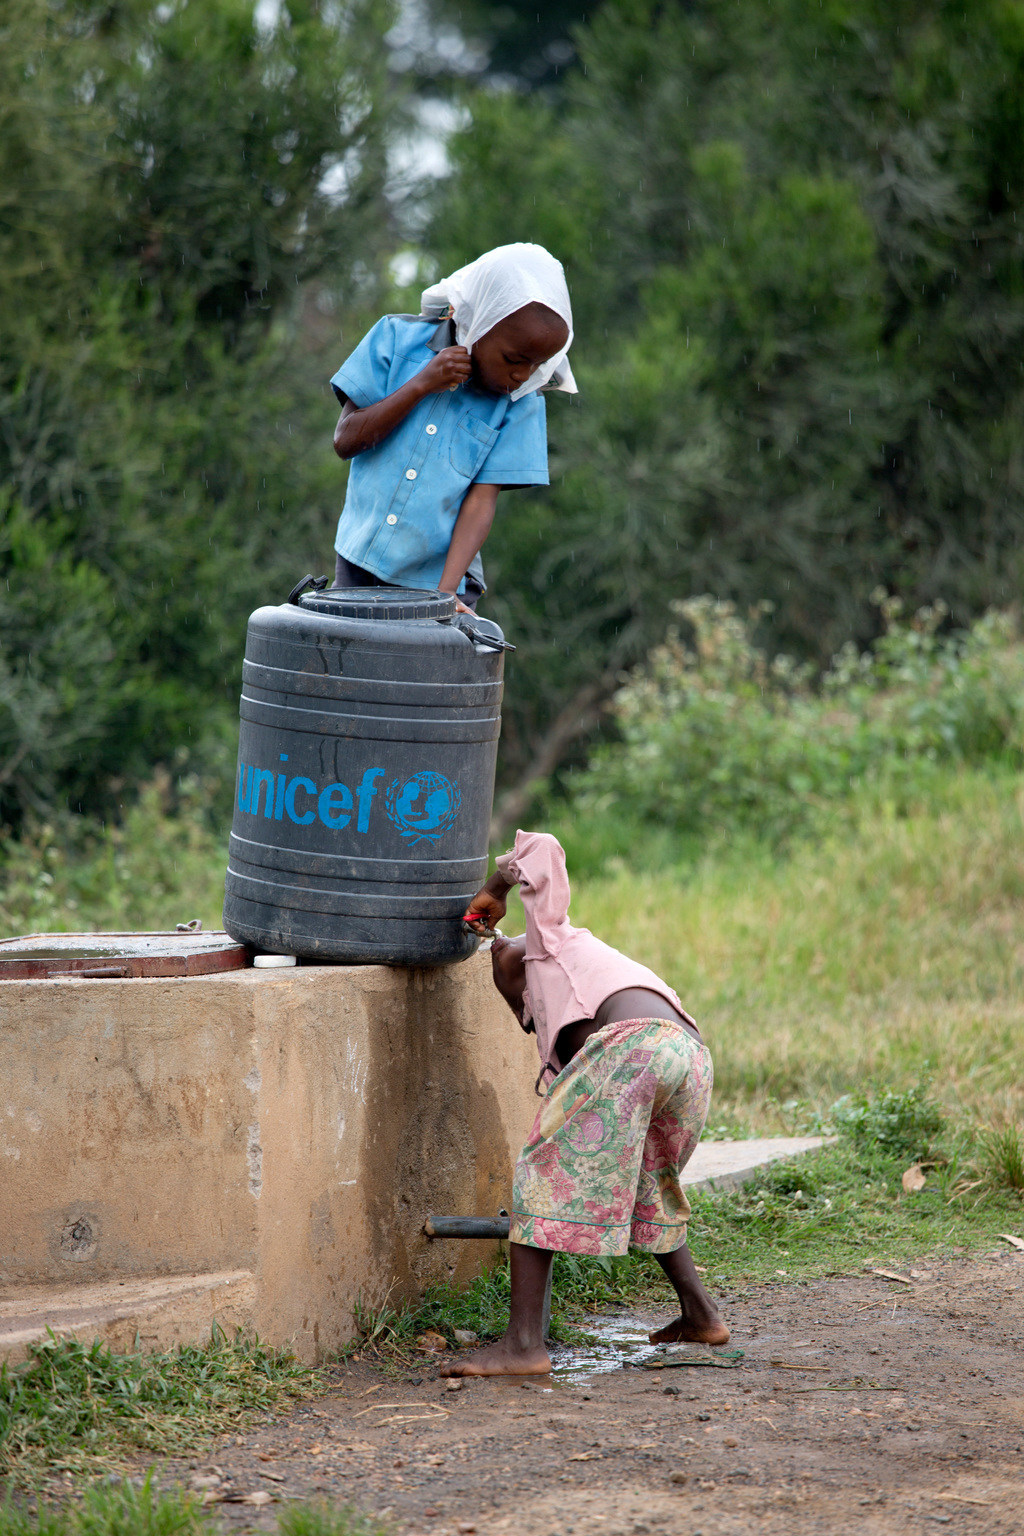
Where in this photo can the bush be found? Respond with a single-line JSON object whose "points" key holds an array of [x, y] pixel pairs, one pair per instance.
{"points": [[897, 1124], [161, 864], [717, 737]]}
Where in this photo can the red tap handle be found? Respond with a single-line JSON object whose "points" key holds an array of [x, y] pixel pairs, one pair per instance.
{"points": [[478, 917]]}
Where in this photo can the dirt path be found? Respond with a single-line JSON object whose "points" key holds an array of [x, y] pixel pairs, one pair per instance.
{"points": [[861, 1404]]}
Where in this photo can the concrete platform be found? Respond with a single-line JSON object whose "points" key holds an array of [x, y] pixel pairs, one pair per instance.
{"points": [[293, 1124], [162, 1312], [720, 1165], [127, 1315]]}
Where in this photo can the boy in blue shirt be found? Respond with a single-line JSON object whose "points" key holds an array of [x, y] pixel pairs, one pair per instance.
{"points": [[442, 410]]}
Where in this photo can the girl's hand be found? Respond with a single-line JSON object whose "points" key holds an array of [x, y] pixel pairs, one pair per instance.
{"points": [[487, 911], [451, 367]]}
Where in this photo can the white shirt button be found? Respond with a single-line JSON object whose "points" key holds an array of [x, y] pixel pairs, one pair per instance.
{"points": [[392, 519], [431, 429], [410, 474]]}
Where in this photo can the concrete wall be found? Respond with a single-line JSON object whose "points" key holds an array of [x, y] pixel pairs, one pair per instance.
{"points": [[300, 1124]]}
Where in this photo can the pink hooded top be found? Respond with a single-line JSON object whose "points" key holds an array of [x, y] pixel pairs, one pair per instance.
{"points": [[569, 972]]}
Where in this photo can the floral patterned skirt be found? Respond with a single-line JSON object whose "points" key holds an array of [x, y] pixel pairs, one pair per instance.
{"points": [[600, 1171]]}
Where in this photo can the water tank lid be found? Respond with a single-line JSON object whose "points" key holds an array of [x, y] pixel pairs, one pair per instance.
{"points": [[380, 603]]}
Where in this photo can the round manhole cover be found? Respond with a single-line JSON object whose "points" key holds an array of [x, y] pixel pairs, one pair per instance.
{"points": [[110, 956]]}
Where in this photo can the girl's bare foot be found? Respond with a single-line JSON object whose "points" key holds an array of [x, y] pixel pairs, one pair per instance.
{"points": [[520, 1351], [505, 1358], [699, 1320], [709, 1330]]}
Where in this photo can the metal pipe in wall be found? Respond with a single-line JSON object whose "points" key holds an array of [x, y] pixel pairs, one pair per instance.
{"points": [[466, 1226]]}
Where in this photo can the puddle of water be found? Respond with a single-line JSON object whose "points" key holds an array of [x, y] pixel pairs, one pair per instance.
{"points": [[616, 1341]]}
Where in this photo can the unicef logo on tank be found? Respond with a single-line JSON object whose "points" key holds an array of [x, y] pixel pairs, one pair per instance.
{"points": [[424, 806]]}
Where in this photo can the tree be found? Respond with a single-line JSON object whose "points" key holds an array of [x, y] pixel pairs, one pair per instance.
{"points": [[791, 239], [516, 42], [178, 177]]}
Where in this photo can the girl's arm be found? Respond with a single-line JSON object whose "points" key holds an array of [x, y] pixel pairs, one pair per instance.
{"points": [[537, 864], [489, 906], [472, 526], [360, 428]]}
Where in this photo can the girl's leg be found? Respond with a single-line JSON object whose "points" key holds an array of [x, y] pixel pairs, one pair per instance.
{"points": [[699, 1321], [521, 1351]]}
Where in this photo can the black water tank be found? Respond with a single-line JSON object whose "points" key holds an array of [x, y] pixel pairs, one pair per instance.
{"points": [[369, 732]]}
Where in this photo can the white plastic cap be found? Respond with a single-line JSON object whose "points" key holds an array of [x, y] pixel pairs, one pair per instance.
{"points": [[272, 962]]}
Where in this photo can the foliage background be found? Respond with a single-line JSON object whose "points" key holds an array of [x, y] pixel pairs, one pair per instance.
{"points": [[793, 240], [163, 460]]}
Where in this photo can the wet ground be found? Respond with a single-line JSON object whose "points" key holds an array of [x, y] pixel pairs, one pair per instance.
{"points": [[871, 1404]]}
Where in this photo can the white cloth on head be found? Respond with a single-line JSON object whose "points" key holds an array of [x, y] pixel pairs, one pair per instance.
{"points": [[493, 287]]}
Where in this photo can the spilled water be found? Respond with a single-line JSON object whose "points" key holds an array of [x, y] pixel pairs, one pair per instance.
{"points": [[620, 1342], [617, 1342]]}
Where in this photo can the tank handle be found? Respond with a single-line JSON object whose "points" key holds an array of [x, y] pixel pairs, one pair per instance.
{"points": [[308, 583], [481, 637]]}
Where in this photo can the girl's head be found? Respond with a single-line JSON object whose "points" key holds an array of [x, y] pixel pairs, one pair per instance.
{"points": [[511, 309], [508, 967], [509, 354]]}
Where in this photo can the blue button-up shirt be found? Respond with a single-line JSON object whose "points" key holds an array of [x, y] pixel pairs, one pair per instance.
{"points": [[404, 495]]}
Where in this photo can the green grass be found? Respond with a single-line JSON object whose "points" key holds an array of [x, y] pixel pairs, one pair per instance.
{"points": [[320, 1519], [121, 1509], [842, 1209], [889, 951], [82, 1408], [1003, 1155], [125, 1509]]}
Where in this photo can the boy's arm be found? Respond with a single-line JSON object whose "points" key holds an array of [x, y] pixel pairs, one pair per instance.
{"points": [[472, 526], [360, 428]]}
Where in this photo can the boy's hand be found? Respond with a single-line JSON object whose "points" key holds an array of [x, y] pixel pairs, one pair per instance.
{"points": [[362, 427], [451, 367], [471, 529]]}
